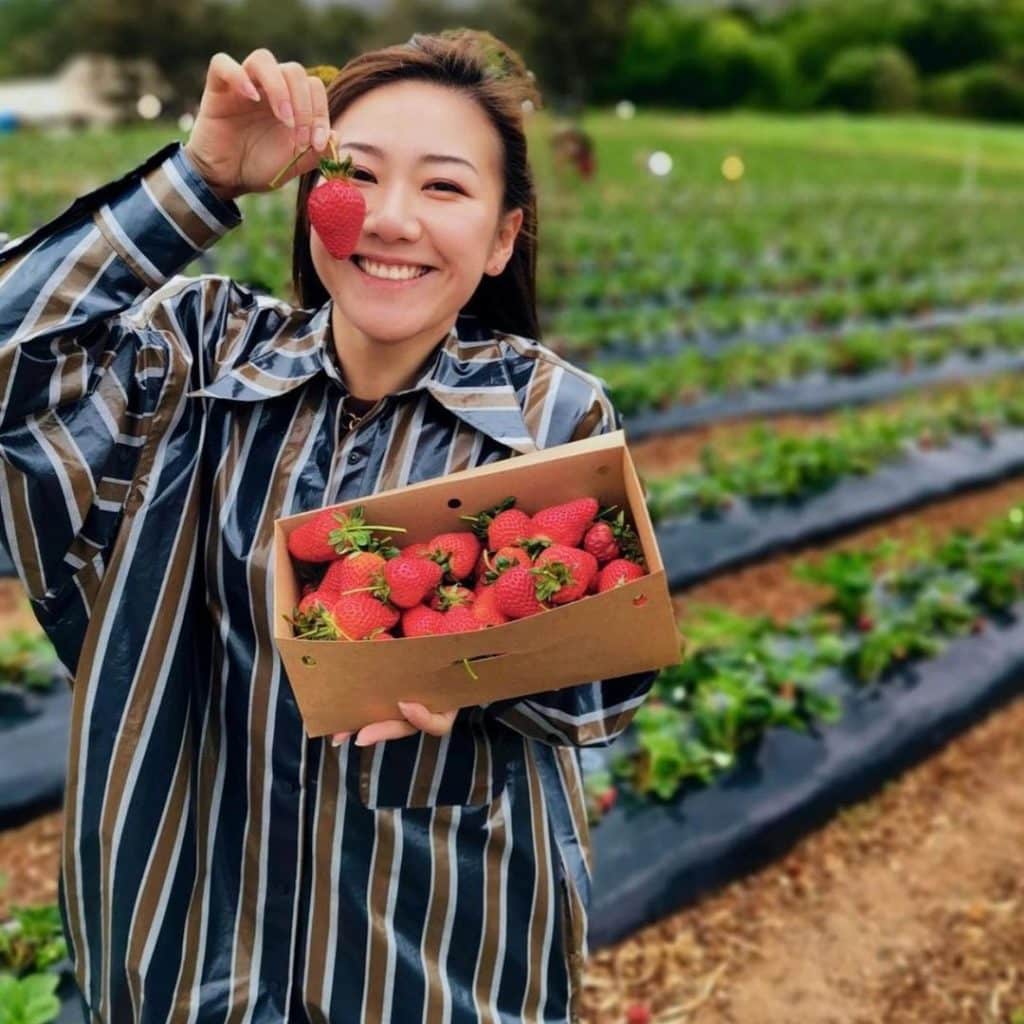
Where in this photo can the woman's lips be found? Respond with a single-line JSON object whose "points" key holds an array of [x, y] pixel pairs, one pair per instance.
{"points": [[386, 283]]}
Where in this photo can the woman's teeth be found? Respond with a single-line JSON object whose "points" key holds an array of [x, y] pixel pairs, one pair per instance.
{"points": [[393, 273]]}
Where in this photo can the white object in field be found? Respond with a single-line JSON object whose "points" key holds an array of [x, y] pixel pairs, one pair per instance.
{"points": [[659, 163], [625, 109]]}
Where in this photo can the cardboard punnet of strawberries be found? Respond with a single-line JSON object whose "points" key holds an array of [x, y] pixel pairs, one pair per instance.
{"points": [[517, 577]]}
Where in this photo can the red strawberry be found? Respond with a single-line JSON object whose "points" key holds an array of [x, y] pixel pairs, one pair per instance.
{"points": [[486, 609], [506, 558], [460, 619], [381, 635], [612, 537], [455, 552], [335, 532], [422, 621], [600, 542], [418, 550], [358, 615], [638, 1013], [454, 596], [515, 592], [352, 572], [617, 572], [337, 209], [312, 601], [409, 579], [566, 523], [569, 572], [508, 528]]}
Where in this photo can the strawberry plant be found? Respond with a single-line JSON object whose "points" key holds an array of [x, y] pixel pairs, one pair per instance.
{"points": [[27, 660]]}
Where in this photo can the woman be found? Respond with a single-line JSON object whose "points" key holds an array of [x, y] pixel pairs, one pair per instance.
{"points": [[218, 864]]}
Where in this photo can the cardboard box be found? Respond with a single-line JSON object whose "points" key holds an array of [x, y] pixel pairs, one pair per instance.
{"points": [[342, 686]]}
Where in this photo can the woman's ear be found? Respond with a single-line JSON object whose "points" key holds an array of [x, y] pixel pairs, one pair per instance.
{"points": [[504, 241]]}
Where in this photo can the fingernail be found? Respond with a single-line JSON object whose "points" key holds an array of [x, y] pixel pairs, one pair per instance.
{"points": [[319, 137], [287, 114], [252, 92], [362, 743], [339, 738]]}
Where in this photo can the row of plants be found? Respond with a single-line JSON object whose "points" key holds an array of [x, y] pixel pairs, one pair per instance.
{"points": [[885, 606], [667, 278], [693, 375], [32, 944], [766, 464], [27, 660], [631, 325]]}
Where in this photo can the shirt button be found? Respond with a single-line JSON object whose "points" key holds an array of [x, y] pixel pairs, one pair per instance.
{"points": [[354, 456]]}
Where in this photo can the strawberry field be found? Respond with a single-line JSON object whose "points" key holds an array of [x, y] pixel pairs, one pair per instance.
{"points": [[814, 329]]}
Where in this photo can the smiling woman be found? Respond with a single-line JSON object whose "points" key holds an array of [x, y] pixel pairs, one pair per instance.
{"points": [[218, 863]]}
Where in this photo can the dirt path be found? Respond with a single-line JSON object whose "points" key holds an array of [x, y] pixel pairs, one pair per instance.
{"points": [[906, 909]]}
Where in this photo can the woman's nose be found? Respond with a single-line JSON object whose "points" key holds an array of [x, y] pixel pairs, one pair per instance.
{"points": [[391, 214]]}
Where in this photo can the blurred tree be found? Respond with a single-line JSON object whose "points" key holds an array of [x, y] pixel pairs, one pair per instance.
{"points": [[401, 18], [945, 34], [870, 79], [571, 43], [33, 42]]}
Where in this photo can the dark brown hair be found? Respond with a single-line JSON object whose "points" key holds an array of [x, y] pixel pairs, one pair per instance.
{"points": [[478, 64]]}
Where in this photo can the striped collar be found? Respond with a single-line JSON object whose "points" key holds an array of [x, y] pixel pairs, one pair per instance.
{"points": [[467, 375]]}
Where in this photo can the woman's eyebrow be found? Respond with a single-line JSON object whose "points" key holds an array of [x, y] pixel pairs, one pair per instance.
{"points": [[433, 158]]}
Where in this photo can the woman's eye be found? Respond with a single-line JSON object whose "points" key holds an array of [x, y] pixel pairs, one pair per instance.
{"points": [[446, 184]]}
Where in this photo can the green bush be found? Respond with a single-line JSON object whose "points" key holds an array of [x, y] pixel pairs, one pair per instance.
{"points": [[870, 79], [987, 91]]}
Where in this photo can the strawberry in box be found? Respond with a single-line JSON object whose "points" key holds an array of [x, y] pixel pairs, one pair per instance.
{"points": [[559, 582]]}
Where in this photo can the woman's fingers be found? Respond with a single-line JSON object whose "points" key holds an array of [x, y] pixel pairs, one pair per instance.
{"points": [[320, 115], [437, 724], [298, 89], [264, 70], [391, 729], [224, 68]]}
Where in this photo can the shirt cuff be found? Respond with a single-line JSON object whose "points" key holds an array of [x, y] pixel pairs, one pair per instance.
{"points": [[162, 220]]}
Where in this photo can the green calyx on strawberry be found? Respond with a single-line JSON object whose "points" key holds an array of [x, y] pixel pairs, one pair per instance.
{"points": [[336, 208], [612, 537], [456, 553], [564, 573], [337, 532], [504, 558], [481, 521], [453, 596], [407, 580], [515, 593]]}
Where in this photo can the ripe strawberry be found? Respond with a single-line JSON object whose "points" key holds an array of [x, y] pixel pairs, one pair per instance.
{"points": [[454, 596], [418, 550], [381, 634], [569, 572], [455, 552], [600, 542], [486, 609], [422, 621], [312, 601], [612, 537], [606, 801], [506, 558], [358, 615], [337, 209], [617, 572], [335, 532], [352, 572], [460, 619], [638, 1013], [408, 580], [566, 523], [515, 592], [507, 528]]}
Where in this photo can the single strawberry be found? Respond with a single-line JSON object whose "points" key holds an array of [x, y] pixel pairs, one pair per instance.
{"points": [[352, 572], [508, 528], [638, 1013], [409, 579], [606, 801], [515, 592], [460, 619], [612, 537], [381, 634], [334, 532], [506, 558], [486, 609], [453, 596], [358, 615], [313, 600], [417, 550], [617, 572], [480, 522], [456, 553], [422, 621], [561, 587], [566, 523], [337, 209]]}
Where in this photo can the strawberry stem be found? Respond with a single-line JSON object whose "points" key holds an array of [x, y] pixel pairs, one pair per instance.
{"points": [[288, 166], [469, 669]]}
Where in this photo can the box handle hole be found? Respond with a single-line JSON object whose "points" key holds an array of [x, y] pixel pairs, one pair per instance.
{"points": [[455, 503], [308, 659], [640, 600]]}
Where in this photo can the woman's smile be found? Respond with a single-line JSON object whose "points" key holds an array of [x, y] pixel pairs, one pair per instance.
{"points": [[388, 284]]}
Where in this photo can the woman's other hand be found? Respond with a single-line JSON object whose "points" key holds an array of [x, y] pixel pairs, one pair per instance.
{"points": [[253, 118], [417, 719]]}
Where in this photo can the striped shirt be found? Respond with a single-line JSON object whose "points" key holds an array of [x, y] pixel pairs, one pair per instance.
{"points": [[218, 864]]}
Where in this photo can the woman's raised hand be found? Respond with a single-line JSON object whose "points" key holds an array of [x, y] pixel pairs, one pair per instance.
{"points": [[253, 119]]}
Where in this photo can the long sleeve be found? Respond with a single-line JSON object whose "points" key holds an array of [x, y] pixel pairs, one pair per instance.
{"points": [[591, 714], [79, 381]]}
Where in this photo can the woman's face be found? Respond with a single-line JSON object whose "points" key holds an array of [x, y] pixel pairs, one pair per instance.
{"points": [[445, 215]]}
